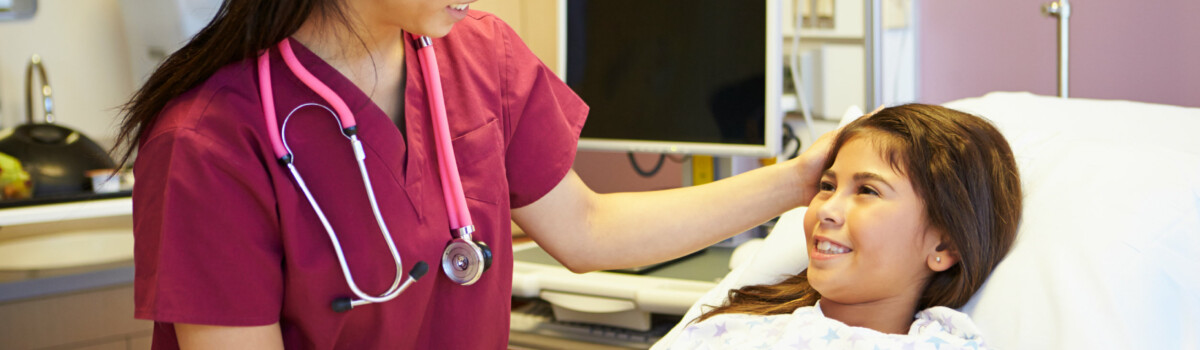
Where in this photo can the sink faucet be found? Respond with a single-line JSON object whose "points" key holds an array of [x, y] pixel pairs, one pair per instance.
{"points": [[47, 93]]}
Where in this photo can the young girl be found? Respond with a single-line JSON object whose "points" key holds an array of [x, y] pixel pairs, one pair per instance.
{"points": [[917, 205]]}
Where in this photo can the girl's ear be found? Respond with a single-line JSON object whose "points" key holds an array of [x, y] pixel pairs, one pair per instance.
{"points": [[942, 258]]}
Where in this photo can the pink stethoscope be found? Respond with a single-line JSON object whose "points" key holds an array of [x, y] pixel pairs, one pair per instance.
{"points": [[464, 260]]}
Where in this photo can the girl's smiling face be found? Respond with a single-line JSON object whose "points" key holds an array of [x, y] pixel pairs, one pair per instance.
{"points": [[867, 233]]}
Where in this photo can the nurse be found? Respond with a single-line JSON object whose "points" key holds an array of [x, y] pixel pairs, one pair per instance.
{"points": [[231, 252]]}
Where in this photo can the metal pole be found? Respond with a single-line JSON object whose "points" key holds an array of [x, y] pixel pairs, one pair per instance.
{"points": [[873, 49], [1062, 10]]}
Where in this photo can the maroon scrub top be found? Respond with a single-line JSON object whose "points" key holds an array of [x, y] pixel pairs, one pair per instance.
{"points": [[224, 236]]}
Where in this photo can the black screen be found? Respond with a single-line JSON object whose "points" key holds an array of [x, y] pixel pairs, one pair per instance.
{"points": [[669, 70]]}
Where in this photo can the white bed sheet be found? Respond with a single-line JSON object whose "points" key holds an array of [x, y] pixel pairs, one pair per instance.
{"points": [[1108, 252]]}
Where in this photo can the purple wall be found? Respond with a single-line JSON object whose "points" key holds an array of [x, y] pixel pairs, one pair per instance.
{"points": [[1132, 50]]}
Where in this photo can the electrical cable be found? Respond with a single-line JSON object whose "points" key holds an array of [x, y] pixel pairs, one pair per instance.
{"points": [[685, 158], [643, 173], [789, 135]]}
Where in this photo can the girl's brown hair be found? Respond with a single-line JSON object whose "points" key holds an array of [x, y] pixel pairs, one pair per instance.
{"points": [[963, 170]]}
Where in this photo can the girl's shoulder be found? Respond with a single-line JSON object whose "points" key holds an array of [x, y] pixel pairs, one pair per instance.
{"points": [[945, 321], [807, 327]]}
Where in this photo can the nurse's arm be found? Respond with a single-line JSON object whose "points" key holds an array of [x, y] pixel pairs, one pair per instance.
{"points": [[195, 336], [587, 231]]}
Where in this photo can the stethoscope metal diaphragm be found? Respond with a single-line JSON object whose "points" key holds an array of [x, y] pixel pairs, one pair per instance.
{"points": [[465, 260]]}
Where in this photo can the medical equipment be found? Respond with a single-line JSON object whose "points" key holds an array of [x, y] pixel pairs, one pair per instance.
{"points": [[463, 260], [708, 80]]}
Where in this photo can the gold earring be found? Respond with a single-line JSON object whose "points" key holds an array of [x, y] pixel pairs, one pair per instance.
{"points": [[937, 258]]}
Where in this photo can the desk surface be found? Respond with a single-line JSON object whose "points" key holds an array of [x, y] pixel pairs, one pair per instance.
{"points": [[708, 265], [665, 290]]}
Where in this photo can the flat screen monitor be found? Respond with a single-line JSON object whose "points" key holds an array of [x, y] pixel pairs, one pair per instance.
{"points": [[675, 76]]}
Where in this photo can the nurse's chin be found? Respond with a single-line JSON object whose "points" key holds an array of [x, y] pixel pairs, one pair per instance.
{"points": [[434, 31]]}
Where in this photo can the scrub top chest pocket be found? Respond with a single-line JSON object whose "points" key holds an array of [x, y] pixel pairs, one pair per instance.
{"points": [[479, 152]]}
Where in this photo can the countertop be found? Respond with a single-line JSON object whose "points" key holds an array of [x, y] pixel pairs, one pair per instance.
{"points": [[20, 225]]}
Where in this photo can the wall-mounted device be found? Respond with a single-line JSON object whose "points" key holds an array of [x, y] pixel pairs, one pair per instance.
{"points": [[11, 10], [676, 76]]}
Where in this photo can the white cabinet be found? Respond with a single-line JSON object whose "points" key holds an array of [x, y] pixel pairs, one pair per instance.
{"points": [[72, 287], [93, 319]]}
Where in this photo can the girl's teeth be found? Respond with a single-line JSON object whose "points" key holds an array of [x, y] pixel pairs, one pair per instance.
{"points": [[829, 248], [460, 7]]}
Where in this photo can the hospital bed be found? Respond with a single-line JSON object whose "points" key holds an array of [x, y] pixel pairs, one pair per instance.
{"points": [[1107, 255]]}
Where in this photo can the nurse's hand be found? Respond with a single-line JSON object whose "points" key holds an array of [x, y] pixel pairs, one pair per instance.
{"points": [[811, 163]]}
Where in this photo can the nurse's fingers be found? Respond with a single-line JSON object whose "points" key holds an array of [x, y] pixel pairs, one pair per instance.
{"points": [[812, 163], [877, 109]]}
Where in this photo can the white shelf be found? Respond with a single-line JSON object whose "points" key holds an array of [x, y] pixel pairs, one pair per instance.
{"points": [[66, 211]]}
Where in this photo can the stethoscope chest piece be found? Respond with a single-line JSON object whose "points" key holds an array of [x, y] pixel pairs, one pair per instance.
{"points": [[464, 260]]}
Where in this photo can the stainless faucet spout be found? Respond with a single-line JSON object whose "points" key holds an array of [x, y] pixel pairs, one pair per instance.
{"points": [[47, 94]]}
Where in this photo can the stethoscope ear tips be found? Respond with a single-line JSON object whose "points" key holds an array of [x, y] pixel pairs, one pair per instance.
{"points": [[344, 304], [341, 305], [419, 270]]}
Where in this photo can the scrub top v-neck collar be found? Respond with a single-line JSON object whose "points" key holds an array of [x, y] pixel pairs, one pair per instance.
{"points": [[411, 133]]}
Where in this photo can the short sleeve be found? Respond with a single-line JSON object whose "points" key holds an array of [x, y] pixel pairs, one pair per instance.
{"points": [[544, 118], [207, 247]]}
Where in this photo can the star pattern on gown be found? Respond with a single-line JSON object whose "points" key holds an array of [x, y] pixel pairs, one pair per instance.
{"points": [[937, 342], [831, 336], [720, 330], [855, 337]]}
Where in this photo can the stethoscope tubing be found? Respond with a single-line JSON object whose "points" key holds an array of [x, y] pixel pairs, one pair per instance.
{"points": [[456, 205], [360, 157], [283, 152], [344, 116]]}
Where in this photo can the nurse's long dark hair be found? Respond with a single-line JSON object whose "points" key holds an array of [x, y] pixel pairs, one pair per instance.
{"points": [[240, 30], [962, 169]]}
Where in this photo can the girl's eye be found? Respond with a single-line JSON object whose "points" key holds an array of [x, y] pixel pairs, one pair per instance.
{"points": [[826, 186], [867, 190]]}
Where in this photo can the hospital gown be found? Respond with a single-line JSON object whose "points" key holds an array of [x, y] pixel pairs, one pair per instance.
{"points": [[936, 328]]}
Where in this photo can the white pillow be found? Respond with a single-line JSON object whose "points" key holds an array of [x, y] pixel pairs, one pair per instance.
{"points": [[1108, 251]]}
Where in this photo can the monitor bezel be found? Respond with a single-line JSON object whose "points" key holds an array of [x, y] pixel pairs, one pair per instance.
{"points": [[773, 118]]}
